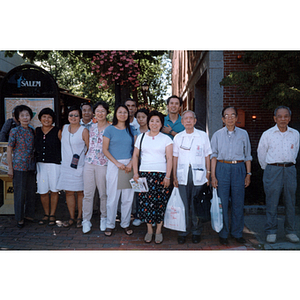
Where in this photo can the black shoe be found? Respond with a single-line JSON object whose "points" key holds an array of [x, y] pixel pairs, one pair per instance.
{"points": [[196, 239], [181, 240], [240, 240], [20, 225], [223, 241]]}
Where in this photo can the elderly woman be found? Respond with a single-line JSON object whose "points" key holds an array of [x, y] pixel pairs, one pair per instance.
{"points": [[156, 164], [74, 144], [21, 166], [48, 157], [94, 173], [118, 144]]}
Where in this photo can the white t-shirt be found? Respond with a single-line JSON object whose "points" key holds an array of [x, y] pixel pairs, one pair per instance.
{"points": [[153, 153]]}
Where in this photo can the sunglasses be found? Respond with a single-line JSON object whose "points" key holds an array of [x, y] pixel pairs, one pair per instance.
{"points": [[71, 115]]}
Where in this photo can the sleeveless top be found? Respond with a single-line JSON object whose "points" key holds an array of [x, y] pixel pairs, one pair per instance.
{"points": [[72, 144], [47, 146]]}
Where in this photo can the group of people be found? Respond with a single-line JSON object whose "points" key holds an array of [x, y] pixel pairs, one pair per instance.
{"points": [[87, 158]]}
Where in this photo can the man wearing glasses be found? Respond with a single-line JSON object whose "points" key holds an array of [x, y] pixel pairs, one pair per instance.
{"points": [[191, 168], [230, 172]]}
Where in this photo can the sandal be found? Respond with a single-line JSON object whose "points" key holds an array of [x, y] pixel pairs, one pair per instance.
{"points": [[52, 222], [108, 231], [79, 223], [44, 221], [128, 231], [148, 237], [68, 223], [158, 238]]}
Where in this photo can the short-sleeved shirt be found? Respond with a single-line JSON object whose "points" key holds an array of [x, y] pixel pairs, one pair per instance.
{"points": [[120, 142], [22, 141], [153, 153], [177, 126], [95, 154], [233, 145]]}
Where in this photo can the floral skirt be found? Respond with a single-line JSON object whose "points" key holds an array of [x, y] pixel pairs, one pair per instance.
{"points": [[152, 205]]}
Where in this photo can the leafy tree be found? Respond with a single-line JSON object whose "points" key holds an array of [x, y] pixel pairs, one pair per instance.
{"points": [[81, 73], [277, 73]]}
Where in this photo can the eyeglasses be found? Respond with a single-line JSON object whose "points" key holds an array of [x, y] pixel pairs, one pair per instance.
{"points": [[71, 116], [230, 116], [186, 147]]}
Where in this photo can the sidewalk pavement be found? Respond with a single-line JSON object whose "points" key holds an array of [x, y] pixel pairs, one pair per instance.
{"points": [[42, 237]]}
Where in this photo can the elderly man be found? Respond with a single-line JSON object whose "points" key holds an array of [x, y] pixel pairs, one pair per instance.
{"points": [[87, 115], [277, 152], [230, 172], [172, 124], [131, 105], [191, 168]]}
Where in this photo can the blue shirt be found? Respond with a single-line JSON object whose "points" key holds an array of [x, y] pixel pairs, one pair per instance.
{"points": [[177, 126], [120, 142]]}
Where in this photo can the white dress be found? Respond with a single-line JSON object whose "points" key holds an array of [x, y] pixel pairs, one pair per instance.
{"points": [[71, 179]]}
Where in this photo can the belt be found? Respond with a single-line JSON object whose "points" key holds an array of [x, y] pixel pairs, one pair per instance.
{"points": [[231, 161], [282, 165]]}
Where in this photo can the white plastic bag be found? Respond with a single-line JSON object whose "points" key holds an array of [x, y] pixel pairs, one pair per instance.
{"points": [[175, 212], [216, 212]]}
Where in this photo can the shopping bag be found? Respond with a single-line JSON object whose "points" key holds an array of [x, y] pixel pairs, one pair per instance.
{"points": [[216, 212], [175, 212]]}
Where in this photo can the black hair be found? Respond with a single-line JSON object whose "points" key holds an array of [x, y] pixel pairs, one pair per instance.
{"points": [[86, 103], [47, 111], [127, 122], [174, 96], [282, 107], [104, 104], [75, 107], [20, 108], [129, 99], [158, 114], [143, 110], [229, 106]]}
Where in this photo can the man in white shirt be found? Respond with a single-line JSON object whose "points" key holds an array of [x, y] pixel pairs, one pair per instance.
{"points": [[131, 105], [277, 152], [87, 115], [191, 171]]}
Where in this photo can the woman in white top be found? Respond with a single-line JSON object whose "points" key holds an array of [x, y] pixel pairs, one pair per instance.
{"points": [[156, 165], [74, 144]]}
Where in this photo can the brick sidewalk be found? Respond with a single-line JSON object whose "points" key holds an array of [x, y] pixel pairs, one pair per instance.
{"points": [[42, 237]]}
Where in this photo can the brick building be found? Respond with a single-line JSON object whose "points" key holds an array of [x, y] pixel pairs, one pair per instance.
{"points": [[196, 77]]}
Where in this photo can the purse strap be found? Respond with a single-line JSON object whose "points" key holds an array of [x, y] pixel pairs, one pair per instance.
{"points": [[141, 148]]}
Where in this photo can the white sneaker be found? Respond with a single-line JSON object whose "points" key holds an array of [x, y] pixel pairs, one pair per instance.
{"points": [[136, 222], [271, 238], [86, 227], [292, 237], [103, 224]]}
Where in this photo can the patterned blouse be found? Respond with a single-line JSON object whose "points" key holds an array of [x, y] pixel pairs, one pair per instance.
{"points": [[22, 141], [95, 155]]}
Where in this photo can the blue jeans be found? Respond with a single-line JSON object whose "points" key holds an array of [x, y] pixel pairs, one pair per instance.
{"points": [[24, 194], [275, 179], [231, 182]]}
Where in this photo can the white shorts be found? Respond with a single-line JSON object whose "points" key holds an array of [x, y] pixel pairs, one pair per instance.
{"points": [[47, 176]]}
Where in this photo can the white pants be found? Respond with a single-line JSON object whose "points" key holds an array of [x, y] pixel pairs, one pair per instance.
{"points": [[93, 176], [113, 195]]}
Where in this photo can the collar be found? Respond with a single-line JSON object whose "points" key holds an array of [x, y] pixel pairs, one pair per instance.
{"points": [[82, 123], [178, 119], [234, 130], [276, 129]]}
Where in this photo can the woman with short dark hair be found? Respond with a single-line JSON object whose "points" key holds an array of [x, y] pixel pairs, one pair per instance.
{"points": [[48, 157], [74, 144], [21, 165]]}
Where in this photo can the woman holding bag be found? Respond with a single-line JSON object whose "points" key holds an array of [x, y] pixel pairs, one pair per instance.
{"points": [[156, 164], [74, 144]]}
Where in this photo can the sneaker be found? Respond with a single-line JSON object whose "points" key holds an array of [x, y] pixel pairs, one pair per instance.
{"points": [[86, 227], [292, 237], [103, 224], [271, 238], [136, 222]]}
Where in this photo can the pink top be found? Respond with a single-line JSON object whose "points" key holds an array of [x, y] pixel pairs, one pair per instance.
{"points": [[95, 155]]}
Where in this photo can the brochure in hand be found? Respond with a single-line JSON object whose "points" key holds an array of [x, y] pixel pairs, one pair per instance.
{"points": [[141, 186]]}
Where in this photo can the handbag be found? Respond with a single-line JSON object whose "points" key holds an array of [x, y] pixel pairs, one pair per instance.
{"points": [[216, 212], [175, 213], [202, 204]]}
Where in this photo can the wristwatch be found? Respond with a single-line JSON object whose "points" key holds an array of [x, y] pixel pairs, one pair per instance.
{"points": [[170, 131], [249, 173]]}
